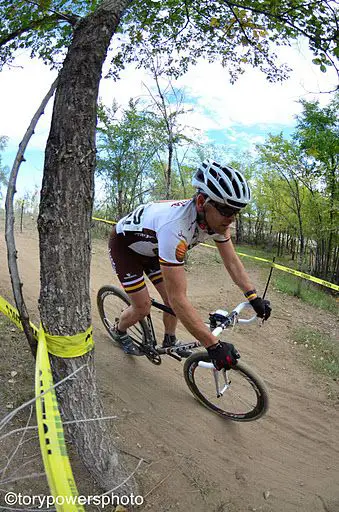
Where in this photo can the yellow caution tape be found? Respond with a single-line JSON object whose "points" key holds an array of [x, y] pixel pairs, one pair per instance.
{"points": [[61, 346], [287, 269], [70, 346], [51, 435], [13, 314], [275, 265], [306, 276], [104, 220]]}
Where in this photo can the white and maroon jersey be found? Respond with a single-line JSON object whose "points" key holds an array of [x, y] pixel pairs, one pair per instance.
{"points": [[164, 229]]}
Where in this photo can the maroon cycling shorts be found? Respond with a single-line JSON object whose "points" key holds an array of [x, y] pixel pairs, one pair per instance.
{"points": [[131, 266]]}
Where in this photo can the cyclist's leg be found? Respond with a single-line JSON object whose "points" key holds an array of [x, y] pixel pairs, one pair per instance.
{"points": [[129, 269], [154, 274], [170, 321], [139, 308], [170, 324]]}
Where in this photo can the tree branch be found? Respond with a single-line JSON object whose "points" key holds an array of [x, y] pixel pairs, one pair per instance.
{"points": [[33, 25], [9, 230], [274, 16], [69, 17]]}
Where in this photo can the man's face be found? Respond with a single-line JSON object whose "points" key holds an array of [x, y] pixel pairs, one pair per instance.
{"points": [[218, 217]]}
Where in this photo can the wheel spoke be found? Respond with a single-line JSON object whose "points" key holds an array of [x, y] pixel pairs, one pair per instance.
{"points": [[245, 398], [111, 305]]}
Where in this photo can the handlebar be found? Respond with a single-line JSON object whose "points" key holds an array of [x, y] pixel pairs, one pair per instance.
{"points": [[238, 310], [226, 319]]}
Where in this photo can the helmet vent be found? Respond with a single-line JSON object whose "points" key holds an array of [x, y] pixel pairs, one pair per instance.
{"points": [[236, 189], [221, 182], [200, 176], [236, 204], [214, 189]]}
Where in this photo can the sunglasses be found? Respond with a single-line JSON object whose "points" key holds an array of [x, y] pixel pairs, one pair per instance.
{"points": [[225, 211]]}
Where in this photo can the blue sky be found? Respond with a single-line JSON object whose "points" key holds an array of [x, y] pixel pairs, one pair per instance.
{"points": [[238, 115]]}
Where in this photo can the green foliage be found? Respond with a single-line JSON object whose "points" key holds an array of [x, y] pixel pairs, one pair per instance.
{"points": [[181, 181], [309, 293], [29, 202], [134, 149], [282, 171], [298, 185], [125, 153], [317, 133], [236, 34]]}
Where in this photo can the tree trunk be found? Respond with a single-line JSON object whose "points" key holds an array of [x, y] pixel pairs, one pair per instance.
{"points": [[249, 236], [335, 274], [292, 246], [239, 229], [333, 196], [64, 231], [168, 193], [279, 244]]}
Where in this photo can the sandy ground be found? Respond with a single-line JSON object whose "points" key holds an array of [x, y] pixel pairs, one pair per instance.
{"points": [[194, 460]]}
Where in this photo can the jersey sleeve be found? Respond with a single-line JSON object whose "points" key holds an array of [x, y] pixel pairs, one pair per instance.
{"points": [[172, 244], [220, 239]]}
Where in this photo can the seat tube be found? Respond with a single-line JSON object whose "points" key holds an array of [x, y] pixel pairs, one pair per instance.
{"points": [[152, 341]]}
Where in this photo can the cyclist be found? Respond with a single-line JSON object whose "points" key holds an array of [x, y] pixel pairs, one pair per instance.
{"points": [[154, 239]]}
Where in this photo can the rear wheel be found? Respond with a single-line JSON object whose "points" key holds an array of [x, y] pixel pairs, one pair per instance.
{"points": [[111, 303], [242, 394]]}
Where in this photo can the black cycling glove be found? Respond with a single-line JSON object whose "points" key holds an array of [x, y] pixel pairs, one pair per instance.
{"points": [[261, 307], [223, 355]]}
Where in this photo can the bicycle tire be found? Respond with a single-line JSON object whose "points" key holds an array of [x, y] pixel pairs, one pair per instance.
{"points": [[111, 302], [246, 382]]}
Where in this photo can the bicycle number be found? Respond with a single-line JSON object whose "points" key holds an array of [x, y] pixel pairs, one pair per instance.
{"points": [[133, 220]]}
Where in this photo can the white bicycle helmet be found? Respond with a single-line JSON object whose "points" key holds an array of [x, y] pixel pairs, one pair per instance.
{"points": [[222, 184]]}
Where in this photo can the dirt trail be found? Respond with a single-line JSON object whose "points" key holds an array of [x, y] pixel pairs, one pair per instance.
{"points": [[195, 461]]}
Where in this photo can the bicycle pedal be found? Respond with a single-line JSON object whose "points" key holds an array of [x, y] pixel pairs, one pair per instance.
{"points": [[175, 356]]}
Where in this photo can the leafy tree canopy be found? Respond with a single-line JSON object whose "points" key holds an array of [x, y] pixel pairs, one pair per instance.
{"points": [[237, 32], [318, 131]]}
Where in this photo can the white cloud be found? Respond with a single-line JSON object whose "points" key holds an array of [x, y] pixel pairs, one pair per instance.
{"points": [[251, 102], [22, 89], [217, 104], [252, 99]]}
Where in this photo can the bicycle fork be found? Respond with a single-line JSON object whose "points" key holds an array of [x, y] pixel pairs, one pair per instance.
{"points": [[216, 376]]}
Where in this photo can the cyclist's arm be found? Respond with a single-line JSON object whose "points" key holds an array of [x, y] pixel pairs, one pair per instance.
{"points": [[234, 266], [176, 287]]}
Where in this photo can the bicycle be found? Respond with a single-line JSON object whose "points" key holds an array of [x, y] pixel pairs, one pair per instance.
{"points": [[237, 394]]}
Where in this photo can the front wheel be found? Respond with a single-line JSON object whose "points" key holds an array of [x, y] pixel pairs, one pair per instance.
{"points": [[237, 394]]}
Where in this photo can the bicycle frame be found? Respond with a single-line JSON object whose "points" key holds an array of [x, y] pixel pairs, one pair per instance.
{"points": [[250, 404], [229, 319]]}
